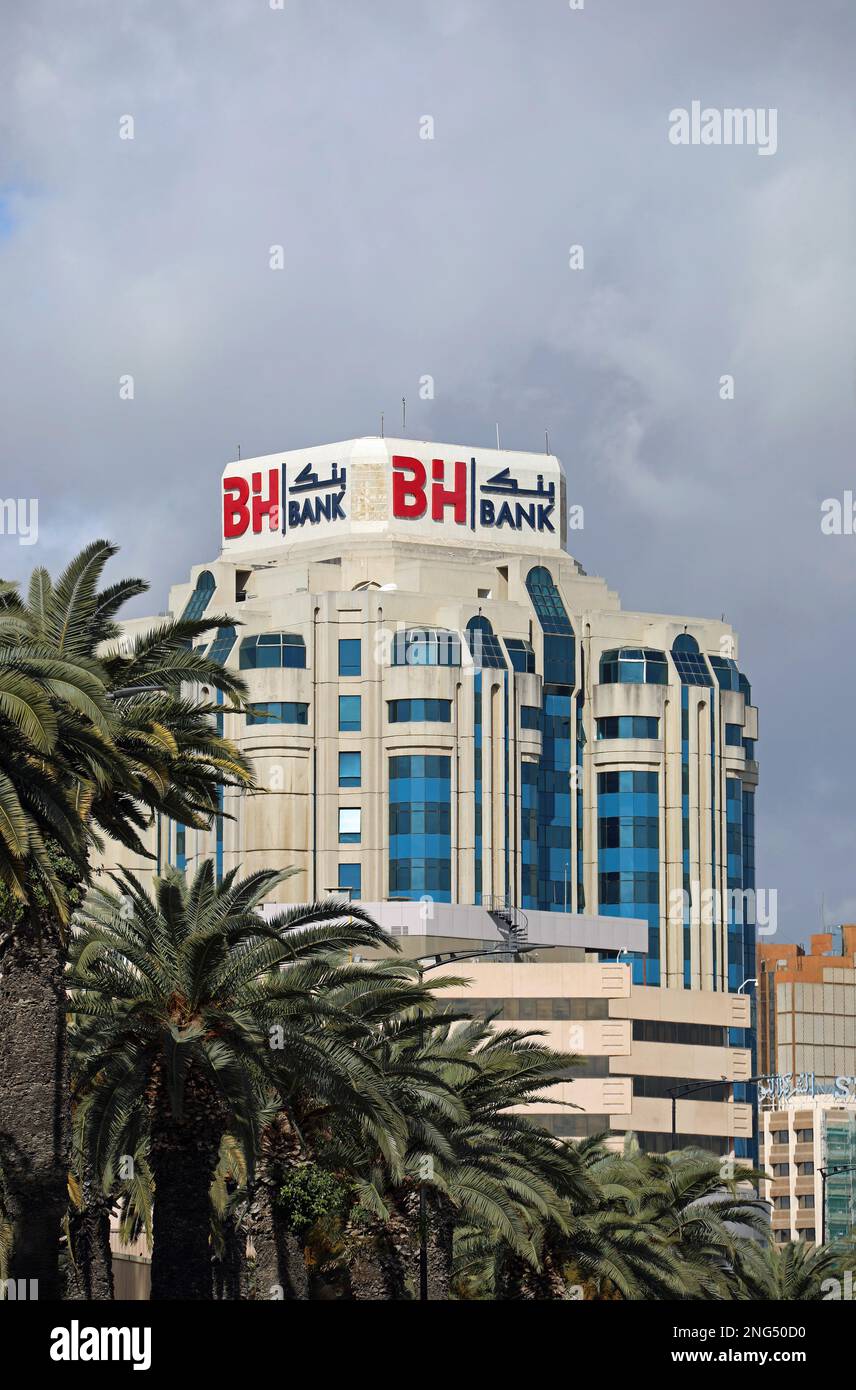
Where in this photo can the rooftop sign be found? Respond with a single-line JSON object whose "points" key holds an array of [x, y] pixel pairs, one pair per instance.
{"points": [[445, 493]]}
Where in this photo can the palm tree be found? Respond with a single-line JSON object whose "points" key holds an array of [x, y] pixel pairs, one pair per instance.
{"points": [[482, 1166], [189, 1010], [93, 740], [795, 1271], [304, 1111]]}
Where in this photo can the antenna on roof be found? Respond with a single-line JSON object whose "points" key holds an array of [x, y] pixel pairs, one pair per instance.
{"points": [[239, 451], [497, 436], [381, 424], [403, 414], [546, 442]]}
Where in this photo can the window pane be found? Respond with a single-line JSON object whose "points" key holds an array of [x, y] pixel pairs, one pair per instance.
{"points": [[349, 825], [350, 713], [350, 656], [349, 769]]}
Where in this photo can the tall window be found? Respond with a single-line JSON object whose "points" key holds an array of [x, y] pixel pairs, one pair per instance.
{"points": [[420, 844], [350, 770], [350, 713], [201, 596], [351, 879], [223, 644], [559, 656], [350, 656], [484, 646], [628, 858], [350, 818]]}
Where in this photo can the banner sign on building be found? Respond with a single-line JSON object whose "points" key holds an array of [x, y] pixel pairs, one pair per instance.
{"points": [[440, 492], [781, 1088]]}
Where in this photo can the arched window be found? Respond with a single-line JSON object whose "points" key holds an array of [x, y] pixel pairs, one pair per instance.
{"points": [[689, 662], [547, 601], [559, 646], [484, 646], [201, 596]]}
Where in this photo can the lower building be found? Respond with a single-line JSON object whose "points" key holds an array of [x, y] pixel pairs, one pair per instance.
{"points": [[637, 1044], [808, 1150], [807, 1007]]}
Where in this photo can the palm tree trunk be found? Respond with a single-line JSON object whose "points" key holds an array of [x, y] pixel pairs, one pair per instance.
{"points": [[90, 1256], [280, 1266], [381, 1260], [439, 1233], [34, 1100], [229, 1269], [184, 1154]]}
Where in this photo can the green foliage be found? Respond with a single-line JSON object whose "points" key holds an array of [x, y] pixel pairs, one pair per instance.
{"points": [[95, 738], [310, 1194]]}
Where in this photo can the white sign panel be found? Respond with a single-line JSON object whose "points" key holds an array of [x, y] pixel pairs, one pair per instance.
{"points": [[446, 493]]}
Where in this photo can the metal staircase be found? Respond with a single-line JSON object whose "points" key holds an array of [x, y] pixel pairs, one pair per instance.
{"points": [[511, 922]]}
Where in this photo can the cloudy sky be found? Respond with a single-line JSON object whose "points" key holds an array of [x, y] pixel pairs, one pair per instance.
{"points": [[299, 126]]}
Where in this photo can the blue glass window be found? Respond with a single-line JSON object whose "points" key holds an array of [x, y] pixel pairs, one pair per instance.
{"points": [[420, 847], [419, 711], [623, 782], [726, 672], [559, 652], [547, 602], [689, 662], [350, 656], [521, 655], [628, 726], [734, 735], [531, 717], [351, 879], [350, 818], [634, 666], [350, 769], [201, 596], [426, 647], [269, 650], [350, 713], [628, 858], [278, 712], [484, 645], [223, 644]]}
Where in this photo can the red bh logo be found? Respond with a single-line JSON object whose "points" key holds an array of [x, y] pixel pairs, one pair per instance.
{"points": [[239, 509], [410, 490]]}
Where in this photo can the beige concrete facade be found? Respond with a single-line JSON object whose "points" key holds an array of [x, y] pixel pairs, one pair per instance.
{"points": [[631, 1040]]}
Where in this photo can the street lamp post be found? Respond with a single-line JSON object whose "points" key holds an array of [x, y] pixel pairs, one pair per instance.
{"points": [[437, 961], [677, 1091]]}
